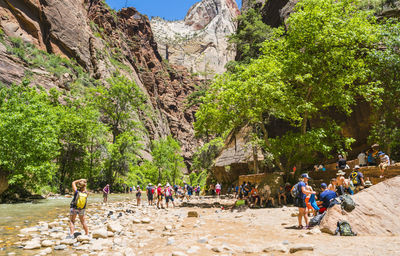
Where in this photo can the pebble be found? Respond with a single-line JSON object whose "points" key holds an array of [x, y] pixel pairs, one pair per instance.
{"points": [[167, 227], [47, 243], [194, 214], [60, 247], [170, 241], [46, 251], [146, 220], [100, 233], [178, 254], [193, 249], [216, 249], [203, 240], [301, 247], [150, 229]]}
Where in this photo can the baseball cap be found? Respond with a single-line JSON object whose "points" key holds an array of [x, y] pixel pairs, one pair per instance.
{"points": [[323, 185], [305, 175]]}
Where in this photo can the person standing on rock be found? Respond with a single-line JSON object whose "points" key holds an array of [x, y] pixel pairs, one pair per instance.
{"points": [[106, 191], [138, 195], [300, 199], [78, 206], [159, 196], [150, 191]]}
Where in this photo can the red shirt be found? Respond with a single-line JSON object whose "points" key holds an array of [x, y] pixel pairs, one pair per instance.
{"points": [[159, 191]]}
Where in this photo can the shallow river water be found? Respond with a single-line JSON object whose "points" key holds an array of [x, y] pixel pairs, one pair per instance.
{"points": [[14, 217]]}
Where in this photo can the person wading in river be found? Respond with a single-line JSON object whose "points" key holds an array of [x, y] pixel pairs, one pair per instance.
{"points": [[78, 205], [106, 191], [300, 199]]}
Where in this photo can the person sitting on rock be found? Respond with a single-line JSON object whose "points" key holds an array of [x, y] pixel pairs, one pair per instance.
{"points": [[341, 164], [385, 162], [357, 179], [281, 195], [325, 198], [265, 196], [255, 196], [343, 184], [332, 185], [78, 206]]}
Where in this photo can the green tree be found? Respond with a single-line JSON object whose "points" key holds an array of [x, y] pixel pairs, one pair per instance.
{"points": [[386, 70], [167, 159], [118, 103], [317, 66], [28, 136], [250, 35]]}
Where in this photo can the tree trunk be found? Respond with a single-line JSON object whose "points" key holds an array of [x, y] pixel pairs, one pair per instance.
{"points": [[265, 136]]}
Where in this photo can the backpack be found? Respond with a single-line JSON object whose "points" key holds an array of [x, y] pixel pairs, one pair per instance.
{"points": [[354, 177], [168, 192], [295, 191], [80, 201], [316, 220], [344, 229], [347, 203]]}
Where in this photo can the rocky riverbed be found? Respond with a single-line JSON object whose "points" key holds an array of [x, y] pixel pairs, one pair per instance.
{"points": [[122, 228]]}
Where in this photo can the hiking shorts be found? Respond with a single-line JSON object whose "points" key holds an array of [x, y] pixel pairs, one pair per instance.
{"points": [[299, 202], [80, 212], [167, 198], [150, 197]]}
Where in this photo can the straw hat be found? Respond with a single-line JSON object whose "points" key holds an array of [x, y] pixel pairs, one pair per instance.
{"points": [[340, 173], [368, 183]]}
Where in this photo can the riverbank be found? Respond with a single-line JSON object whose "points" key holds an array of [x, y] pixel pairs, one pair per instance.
{"points": [[121, 228]]}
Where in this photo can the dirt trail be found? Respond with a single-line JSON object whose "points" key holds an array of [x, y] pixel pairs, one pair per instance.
{"points": [[214, 232]]}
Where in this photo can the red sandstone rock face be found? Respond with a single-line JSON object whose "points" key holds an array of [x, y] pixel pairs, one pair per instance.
{"points": [[64, 27]]}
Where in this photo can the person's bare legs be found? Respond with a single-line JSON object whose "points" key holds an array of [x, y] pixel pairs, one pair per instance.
{"points": [[302, 212], [83, 221], [72, 218]]}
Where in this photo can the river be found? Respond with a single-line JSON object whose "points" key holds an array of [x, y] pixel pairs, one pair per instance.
{"points": [[14, 217]]}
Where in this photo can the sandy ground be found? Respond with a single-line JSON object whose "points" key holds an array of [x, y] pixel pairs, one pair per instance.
{"points": [[215, 231]]}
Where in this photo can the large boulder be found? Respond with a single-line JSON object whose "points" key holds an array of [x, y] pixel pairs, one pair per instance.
{"points": [[376, 213]]}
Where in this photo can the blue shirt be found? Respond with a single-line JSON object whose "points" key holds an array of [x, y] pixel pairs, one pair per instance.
{"points": [[299, 187], [326, 197]]}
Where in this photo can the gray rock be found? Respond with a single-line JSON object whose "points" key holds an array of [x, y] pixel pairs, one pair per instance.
{"points": [[60, 247], [100, 233], [47, 243], [276, 248], [170, 241], [68, 241], [31, 245], [146, 220], [83, 238], [46, 251], [203, 240], [178, 254]]}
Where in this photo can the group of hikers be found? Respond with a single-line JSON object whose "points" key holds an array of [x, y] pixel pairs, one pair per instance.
{"points": [[307, 201]]}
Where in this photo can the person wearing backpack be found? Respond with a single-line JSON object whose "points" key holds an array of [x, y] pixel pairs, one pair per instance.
{"points": [[357, 178], [168, 195], [300, 197], [78, 206], [325, 198]]}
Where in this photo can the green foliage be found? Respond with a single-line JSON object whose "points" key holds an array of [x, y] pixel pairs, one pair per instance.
{"points": [[250, 35], [316, 67], [204, 156], [198, 178], [167, 159], [386, 69], [28, 136]]}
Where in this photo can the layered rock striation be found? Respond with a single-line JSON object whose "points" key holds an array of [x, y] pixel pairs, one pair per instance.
{"points": [[103, 42], [199, 42]]}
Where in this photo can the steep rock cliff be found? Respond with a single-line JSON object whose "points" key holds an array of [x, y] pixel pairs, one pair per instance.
{"points": [[199, 41], [102, 41]]}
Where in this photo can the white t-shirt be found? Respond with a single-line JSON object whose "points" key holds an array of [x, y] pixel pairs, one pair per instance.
{"points": [[362, 159], [218, 186]]}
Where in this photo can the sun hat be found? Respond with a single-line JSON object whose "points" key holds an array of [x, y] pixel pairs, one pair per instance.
{"points": [[168, 185], [150, 184], [357, 167], [138, 186], [340, 173], [323, 185], [305, 175], [159, 184], [368, 183]]}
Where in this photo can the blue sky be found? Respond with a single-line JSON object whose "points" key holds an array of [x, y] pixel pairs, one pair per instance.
{"points": [[168, 9]]}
